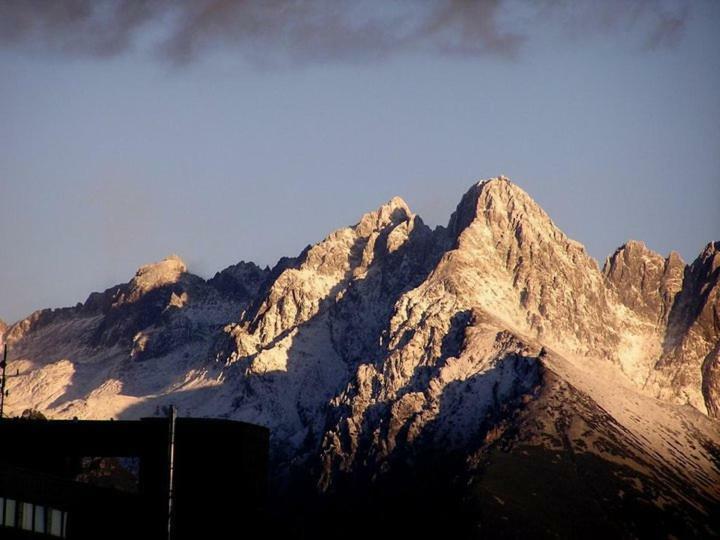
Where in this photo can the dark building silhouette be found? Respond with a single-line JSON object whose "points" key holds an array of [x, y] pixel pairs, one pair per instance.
{"points": [[110, 479]]}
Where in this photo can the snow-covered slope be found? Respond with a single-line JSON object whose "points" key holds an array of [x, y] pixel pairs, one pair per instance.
{"points": [[389, 347], [114, 353]]}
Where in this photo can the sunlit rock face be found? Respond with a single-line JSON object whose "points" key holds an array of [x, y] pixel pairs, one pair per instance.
{"points": [[645, 281], [390, 351], [683, 303], [690, 348]]}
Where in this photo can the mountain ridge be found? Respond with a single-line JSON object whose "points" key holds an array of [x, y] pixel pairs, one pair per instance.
{"points": [[388, 342]]}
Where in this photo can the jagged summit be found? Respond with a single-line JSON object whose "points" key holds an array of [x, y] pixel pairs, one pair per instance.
{"points": [[171, 263], [638, 248], [154, 275], [502, 201], [632, 256], [712, 250], [498, 203], [393, 212], [637, 245], [645, 281], [242, 280], [397, 202]]}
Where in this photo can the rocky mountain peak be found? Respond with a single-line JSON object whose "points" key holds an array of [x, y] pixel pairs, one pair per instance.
{"points": [[645, 281], [503, 204], [689, 366], [392, 213], [500, 206], [154, 275], [675, 259], [241, 281], [711, 255], [516, 263], [637, 247], [637, 250], [305, 288]]}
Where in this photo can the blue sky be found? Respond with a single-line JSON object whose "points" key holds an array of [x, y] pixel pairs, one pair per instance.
{"points": [[109, 161]]}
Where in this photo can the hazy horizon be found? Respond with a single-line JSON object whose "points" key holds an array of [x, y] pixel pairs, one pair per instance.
{"points": [[126, 140]]}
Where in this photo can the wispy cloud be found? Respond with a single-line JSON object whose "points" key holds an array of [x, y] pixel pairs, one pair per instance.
{"points": [[319, 30]]}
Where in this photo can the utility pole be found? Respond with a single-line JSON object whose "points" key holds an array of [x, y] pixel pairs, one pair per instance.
{"points": [[171, 469], [3, 365], [3, 379]]}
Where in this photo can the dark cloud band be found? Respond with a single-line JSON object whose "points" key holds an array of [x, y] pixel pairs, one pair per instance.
{"points": [[319, 30]]}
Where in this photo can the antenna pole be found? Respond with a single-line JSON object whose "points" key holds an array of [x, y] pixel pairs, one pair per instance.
{"points": [[3, 365], [171, 469]]}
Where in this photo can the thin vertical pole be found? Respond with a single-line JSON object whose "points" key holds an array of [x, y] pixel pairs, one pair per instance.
{"points": [[171, 470], [3, 364]]}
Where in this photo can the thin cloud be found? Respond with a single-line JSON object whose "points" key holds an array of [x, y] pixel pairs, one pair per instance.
{"points": [[307, 31]]}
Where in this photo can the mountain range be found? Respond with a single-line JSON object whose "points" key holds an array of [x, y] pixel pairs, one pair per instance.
{"points": [[485, 379]]}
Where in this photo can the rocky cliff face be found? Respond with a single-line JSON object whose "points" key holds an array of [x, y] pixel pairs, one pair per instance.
{"points": [[690, 347], [646, 282], [389, 347], [682, 304]]}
